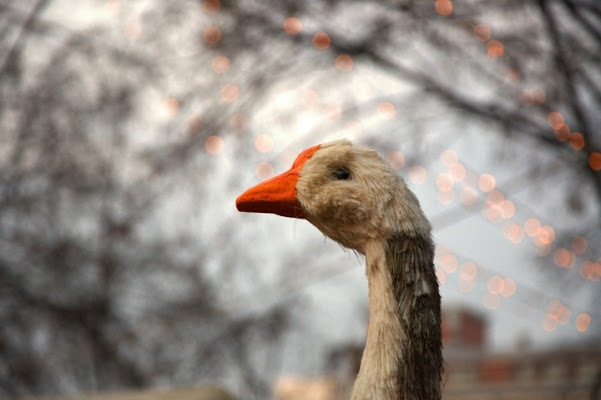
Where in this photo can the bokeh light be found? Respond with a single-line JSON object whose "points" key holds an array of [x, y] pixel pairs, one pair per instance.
{"points": [[579, 245], [211, 6], [494, 48], [468, 271], [448, 157], [264, 143], [468, 196], [220, 64], [264, 170], [230, 93], [582, 322], [555, 120], [513, 232], [214, 144], [576, 141], [562, 258], [449, 263], [486, 183], [386, 110], [396, 159], [495, 284], [482, 32], [591, 270], [344, 63], [417, 174], [171, 106], [443, 7], [558, 312], [444, 182], [492, 301], [532, 227], [466, 286], [457, 171], [563, 133], [293, 26], [321, 41], [508, 287], [211, 35], [113, 7], [594, 161], [445, 198], [441, 276]]}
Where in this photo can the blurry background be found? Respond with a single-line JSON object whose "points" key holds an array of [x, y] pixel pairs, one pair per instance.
{"points": [[128, 128]]}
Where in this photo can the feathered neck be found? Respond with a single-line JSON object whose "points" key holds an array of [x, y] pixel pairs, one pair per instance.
{"points": [[403, 355]]}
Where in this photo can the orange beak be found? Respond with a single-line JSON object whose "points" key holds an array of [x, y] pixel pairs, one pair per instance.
{"points": [[278, 194]]}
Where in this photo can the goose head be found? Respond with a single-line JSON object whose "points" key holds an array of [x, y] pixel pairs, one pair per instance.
{"points": [[347, 191]]}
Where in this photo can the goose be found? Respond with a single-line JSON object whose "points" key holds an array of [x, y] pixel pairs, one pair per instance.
{"points": [[355, 198]]}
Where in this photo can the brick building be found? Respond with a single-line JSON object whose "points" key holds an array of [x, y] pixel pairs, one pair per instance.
{"points": [[566, 373]]}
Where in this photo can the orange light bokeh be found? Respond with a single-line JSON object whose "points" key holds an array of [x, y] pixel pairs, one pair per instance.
{"points": [[444, 182], [494, 48], [561, 258], [293, 26], [468, 196], [448, 157], [579, 245], [486, 182], [113, 7], [532, 227], [386, 110], [264, 170], [230, 93], [482, 32], [264, 143], [563, 133], [211, 6], [417, 174], [513, 232], [576, 141], [495, 284], [555, 120], [449, 263], [594, 161], [332, 112], [214, 144], [468, 271], [466, 286], [344, 63], [443, 7], [220, 64], [492, 301], [396, 159], [171, 106], [441, 276], [508, 288], [457, 171], [321, 41], [445, 198], [211, 35], [582, 322]]}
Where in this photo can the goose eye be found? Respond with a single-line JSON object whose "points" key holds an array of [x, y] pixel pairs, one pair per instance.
{"points": [[343, 174]]}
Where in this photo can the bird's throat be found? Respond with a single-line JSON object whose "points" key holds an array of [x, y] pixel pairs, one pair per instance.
{"points": [[402, 357]]}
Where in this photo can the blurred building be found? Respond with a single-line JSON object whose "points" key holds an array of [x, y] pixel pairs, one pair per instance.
{"points": [[471, 372]]}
